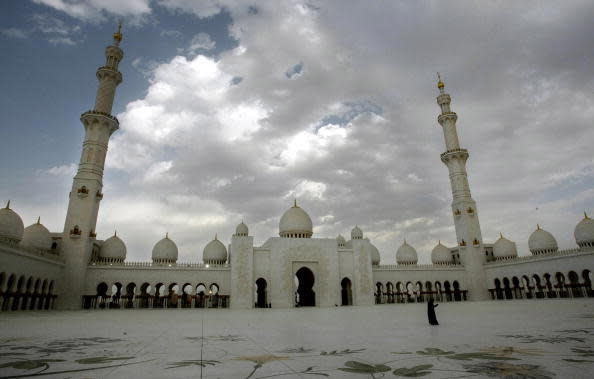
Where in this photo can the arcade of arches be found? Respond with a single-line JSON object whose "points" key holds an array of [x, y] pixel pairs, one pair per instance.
{"points": [[22, 293], [417, 292], [160, 295], [545, 286]]}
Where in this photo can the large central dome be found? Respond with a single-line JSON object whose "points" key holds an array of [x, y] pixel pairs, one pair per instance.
{"points": [[295, 223]]}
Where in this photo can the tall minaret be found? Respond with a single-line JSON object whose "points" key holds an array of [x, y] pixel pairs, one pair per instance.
{"points": [[86, 193], [468, 229]]}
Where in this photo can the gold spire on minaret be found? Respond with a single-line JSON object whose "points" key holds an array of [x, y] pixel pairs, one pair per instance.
{"points": [[117, 36], [440, 84]]}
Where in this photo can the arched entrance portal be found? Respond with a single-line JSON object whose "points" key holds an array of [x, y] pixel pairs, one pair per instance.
{"points": [[261, 301], [346, 292], [306, 297]]}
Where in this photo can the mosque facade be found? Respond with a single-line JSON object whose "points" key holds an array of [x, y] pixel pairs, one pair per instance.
{"points": [[72, 269]]}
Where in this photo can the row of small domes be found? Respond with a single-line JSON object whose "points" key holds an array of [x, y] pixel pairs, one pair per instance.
{"points": [[164, 251], [12, 228]]}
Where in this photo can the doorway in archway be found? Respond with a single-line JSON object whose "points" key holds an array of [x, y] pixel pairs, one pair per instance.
{"points": [[306, 297], [261, 301], [346, 292]]}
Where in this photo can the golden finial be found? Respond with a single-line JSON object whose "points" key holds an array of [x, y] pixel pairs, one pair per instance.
{"points": [[117, 36], [38, 220], [440, 84], [8, 205]]}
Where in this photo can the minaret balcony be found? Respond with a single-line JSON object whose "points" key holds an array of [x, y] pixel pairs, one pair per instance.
{"points": [[109, 72], [447, 116], [99, 114], [454, 154]]}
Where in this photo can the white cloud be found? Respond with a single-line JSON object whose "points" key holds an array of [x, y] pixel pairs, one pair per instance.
{"points": [[14, 33], [95, 10], [171, 33], [61, 41], [67, 170], [200, 41], [356, 137]]}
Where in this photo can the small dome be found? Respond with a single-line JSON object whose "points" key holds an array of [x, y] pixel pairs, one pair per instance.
{"points": [[375, 255], [165, 251], [584, 232], [441, 254], [214, 252], [341, 241], [295, 223], [241, 230], [504, 248], [541, 242], [113, 249], [406, 255], [11, 225], [37, 236], [356, 233]]}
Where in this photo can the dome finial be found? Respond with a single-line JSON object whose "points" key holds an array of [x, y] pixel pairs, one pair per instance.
{"points": [[115, 232], [440, 84], [405, 241], [117, 36], [8, 205], [167, 235], [216, 236], [537, 226], [38, 220], [295, 203], [586, 215], [500, 235]]}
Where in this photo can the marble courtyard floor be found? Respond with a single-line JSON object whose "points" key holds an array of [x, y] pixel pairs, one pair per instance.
{"points": [[514, 339]]}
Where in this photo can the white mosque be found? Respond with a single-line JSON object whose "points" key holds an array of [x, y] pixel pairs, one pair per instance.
{"points": [[72, 269]]}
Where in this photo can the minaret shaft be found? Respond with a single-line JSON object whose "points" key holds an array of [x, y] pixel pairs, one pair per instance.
{"points": [[466, 221], [87, 185]]}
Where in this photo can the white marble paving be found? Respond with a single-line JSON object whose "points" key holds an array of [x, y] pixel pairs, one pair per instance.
{"points": [[524, 339]]}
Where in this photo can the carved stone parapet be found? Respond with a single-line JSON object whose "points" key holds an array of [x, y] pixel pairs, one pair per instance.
{"points": [[93, 116], [448, 116], [454, 154], [109, 72]]}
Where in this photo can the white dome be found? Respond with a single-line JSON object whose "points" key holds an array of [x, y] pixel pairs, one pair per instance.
{"points": [[165, 251], [11, 225], [406, 255], [214, 252], [113, 248], [584, 232], [541, 241], [37, 236], [241, 230], [341, 241], [504, 248], [356, 233], [441, 254], [295, 223], [375, 255]]}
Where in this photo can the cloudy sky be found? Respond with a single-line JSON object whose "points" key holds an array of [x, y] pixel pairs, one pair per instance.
{"points": [[228, 110]]}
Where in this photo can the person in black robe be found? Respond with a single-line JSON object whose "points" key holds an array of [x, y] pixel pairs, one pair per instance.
{"points": [[431, 312]]}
